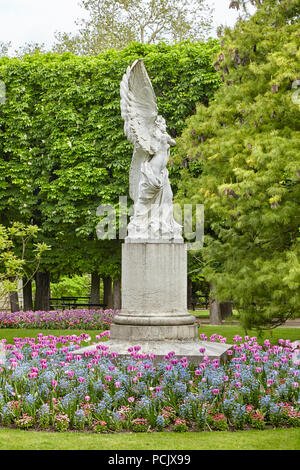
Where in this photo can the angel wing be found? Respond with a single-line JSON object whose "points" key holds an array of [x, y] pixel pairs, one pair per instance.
{"points": [[139, 111]]}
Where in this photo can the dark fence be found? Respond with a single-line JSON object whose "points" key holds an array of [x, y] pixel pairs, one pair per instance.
{"points": [[73, 302], [201, 302]]}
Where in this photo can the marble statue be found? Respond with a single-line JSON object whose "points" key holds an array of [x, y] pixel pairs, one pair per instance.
{"points": [[149, 178]]}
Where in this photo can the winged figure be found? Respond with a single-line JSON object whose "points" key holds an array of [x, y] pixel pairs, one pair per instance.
{"points": [[149, 184]]}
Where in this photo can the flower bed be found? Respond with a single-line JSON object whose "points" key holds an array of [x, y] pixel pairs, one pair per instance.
{"points": [[86, 319], [44, 384]]}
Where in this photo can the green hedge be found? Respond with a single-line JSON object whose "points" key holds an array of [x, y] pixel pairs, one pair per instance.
{"points": [[62, 146]]}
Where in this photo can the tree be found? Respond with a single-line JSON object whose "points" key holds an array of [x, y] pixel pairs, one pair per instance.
{"points": [[30, 48], [244, 158], [14, 243], [4, 48], [115, 24]]}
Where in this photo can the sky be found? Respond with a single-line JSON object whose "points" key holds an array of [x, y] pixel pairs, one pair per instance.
{"points": [[24, 21]]}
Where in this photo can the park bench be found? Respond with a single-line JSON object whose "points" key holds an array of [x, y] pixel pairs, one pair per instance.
{"points": [[200, 301], [73, 302]]}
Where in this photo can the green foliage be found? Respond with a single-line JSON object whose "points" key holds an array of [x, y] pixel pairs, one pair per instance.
{"points": [[14, 241], [244, 156], [63, 151], [76, 286]]}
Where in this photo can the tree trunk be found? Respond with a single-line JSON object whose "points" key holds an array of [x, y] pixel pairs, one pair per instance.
{"points": [[117, 294], [27, 295], [95, 288], [189, 294], [107, 297], [215, 316], [42, 291], [14, 299], [226, 310]]}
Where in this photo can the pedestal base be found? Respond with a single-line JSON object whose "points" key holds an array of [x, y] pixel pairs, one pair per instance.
{"points": [[133, 333], [154, 294], [154, 311], [188, 349]]}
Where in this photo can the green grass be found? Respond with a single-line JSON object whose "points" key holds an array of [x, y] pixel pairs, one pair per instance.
{"points": [[274, 439], [205, 314], [11, 333], [229, 331]]}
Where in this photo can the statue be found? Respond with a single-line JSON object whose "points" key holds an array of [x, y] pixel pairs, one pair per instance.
{"points": [[149, 178]]}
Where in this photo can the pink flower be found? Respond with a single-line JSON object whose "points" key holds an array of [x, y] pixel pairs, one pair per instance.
{"points": [[81, 380], [87, 398], [215, 391], [32, 375], [131, 399], [117, 384]]}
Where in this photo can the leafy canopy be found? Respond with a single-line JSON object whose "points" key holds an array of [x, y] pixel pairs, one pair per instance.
{"points": [[63, 151]]}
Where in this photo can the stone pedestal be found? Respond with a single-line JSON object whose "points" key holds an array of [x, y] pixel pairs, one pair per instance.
{"points": [[154, 311], [154, 294]]}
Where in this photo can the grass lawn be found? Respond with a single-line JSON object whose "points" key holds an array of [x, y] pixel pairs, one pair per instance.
{"points": [[11, 333], [274, 439], [229, 331]]}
